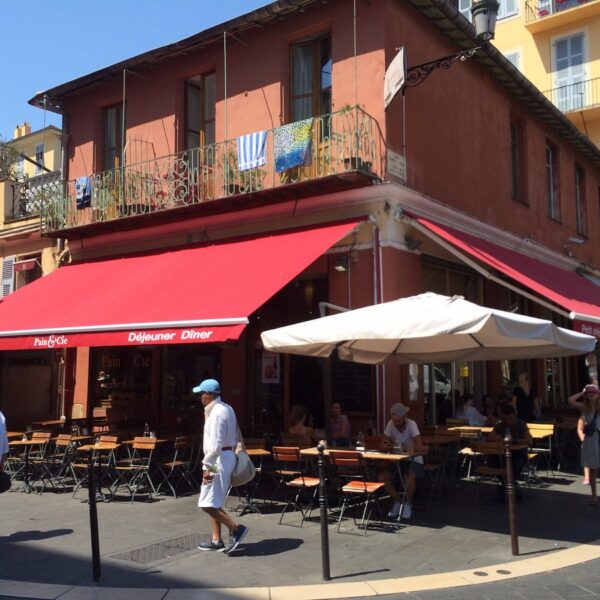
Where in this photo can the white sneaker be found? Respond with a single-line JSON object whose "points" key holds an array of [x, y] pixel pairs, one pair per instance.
{"points": [[406, 511], [393, 514]]}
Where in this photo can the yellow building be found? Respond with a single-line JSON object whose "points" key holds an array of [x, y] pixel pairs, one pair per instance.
{"points": [[556, 45], [25, 255]]}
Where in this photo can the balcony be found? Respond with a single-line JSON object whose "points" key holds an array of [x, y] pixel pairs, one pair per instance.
{"points": [[542, 15], [29, 196], [584, 95], [347, 151]]}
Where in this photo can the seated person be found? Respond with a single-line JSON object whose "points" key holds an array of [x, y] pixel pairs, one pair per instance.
{"points": [[340, 426], [403, 432], [520, 435], [297, 420], [488, 409], [470, 413]]}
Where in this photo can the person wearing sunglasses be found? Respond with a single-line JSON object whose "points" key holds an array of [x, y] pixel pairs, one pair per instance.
{"points": [[578, 401]]}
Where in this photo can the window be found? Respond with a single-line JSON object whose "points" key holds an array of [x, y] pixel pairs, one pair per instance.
{"points": [[517, 159], [464, 7], [514, 58], [580, 204], [508, 8], [569, 76], [8, 276], [200, 100], [552, 181], [39, 158], [112, 138], [311, 67], [20, 168]]}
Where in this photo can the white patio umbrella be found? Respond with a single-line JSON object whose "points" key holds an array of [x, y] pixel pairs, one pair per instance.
{"points": [[428, 328]]}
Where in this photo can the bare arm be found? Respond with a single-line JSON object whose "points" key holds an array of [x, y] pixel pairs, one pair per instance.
{"points": [[576, 401], [580, 424]]}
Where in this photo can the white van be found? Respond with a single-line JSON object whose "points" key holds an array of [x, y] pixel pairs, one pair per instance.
{"points": [[441, 382]]}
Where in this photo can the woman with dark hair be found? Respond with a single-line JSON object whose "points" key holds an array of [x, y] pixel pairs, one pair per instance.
{"points": [[297, 424]]}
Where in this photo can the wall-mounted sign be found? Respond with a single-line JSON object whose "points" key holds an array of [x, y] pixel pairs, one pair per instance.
{"points": [[270, 367]]}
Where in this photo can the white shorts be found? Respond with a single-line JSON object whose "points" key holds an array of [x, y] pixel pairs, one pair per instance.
{"points": [[214, 494]]}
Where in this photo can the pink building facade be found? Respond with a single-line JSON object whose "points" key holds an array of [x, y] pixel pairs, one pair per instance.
{"points": [[474, 151]]}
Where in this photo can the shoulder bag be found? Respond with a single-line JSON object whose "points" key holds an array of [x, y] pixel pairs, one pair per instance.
{"points": [[244, 470]]}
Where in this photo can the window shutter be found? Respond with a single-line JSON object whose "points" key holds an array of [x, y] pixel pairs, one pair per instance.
{"points": [[8, 275]]}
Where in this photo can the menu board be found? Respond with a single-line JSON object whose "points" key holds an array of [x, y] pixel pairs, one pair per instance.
{"points": [[353, 385]]}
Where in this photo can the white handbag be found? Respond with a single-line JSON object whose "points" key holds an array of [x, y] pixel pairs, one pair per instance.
{"points": [[244, 470]]}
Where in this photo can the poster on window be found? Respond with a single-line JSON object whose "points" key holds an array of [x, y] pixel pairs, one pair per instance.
{"points": [[270, 367]]}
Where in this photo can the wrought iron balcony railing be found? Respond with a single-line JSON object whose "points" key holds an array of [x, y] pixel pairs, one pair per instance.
{"points": [[30, 195], [539, 9], [342, 142], [576, 96]]}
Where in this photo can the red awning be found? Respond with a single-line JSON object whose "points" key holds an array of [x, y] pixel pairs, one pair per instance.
{"points": [[579, 296], [187, 295]]}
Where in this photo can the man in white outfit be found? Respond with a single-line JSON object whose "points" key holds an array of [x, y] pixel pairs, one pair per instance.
{"points": [[220, 441]]}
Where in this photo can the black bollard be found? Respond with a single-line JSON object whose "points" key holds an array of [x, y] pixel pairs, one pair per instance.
{"points": [[96, 571], [323, 511], [510, 490]]}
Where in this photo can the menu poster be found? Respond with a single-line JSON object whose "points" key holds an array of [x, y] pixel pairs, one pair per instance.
{"points": [[270, 367]]}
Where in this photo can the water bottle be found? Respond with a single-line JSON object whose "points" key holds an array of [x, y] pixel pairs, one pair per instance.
{"points": [[360, 441], [146, 430]]}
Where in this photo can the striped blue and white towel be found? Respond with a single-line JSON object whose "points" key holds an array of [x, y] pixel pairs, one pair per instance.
{"points": [[252, 150]]}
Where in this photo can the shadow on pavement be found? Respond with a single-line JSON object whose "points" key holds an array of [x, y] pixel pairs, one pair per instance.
{"points": [[28, 536]]}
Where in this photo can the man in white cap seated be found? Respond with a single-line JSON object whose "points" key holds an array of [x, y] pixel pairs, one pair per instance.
{"points": [[404, 434], [220, 441]]}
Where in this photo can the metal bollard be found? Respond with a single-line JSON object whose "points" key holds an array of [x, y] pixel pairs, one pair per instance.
{"points": [[96, 570], [323, 512], [510, 490]]}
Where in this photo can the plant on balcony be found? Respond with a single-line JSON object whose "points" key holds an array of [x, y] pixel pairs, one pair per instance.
{"points": [[236, 181]]}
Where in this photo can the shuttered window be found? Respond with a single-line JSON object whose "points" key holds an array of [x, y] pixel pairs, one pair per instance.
{"points": [[508, 8], [8, 275]]}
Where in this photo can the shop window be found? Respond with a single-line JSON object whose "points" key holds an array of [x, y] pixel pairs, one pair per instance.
{"points": [[183, 368], [120, 382]]}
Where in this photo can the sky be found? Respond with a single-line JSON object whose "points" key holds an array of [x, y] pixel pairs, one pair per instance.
{"points": [[45, 43]]}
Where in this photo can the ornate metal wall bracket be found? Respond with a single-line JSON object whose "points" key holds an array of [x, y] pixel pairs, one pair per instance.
{"points": [[418, 74]]}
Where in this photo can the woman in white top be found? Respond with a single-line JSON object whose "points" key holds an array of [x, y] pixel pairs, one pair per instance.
{"points": [[471, 414]]}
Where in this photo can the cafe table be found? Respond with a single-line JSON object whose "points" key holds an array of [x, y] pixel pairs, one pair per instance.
{"points": [[27, 444], [376, 456], [100, 448], [15, 435]]}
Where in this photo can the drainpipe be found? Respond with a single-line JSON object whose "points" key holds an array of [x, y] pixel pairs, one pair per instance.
{"points": [[377, 298], [60, 249]]}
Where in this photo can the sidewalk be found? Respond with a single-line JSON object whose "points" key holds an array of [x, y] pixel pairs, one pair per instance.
{"points": [[45, 540]]}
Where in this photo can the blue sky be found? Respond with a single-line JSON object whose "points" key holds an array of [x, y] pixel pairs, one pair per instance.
{"points": [[48, 43]]}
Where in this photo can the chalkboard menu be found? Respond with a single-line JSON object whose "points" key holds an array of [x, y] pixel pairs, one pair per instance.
{"points": [[353, 385]]}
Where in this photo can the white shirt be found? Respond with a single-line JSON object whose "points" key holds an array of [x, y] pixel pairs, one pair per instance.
{"points": [[3, 436], [408, 433], [475, 418], [220, 431]]}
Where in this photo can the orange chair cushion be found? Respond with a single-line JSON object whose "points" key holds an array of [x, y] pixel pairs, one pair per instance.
{"points": [[362, 487]]}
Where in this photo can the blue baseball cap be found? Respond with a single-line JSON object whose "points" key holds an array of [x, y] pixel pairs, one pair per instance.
{"points": [[210, 386]]}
